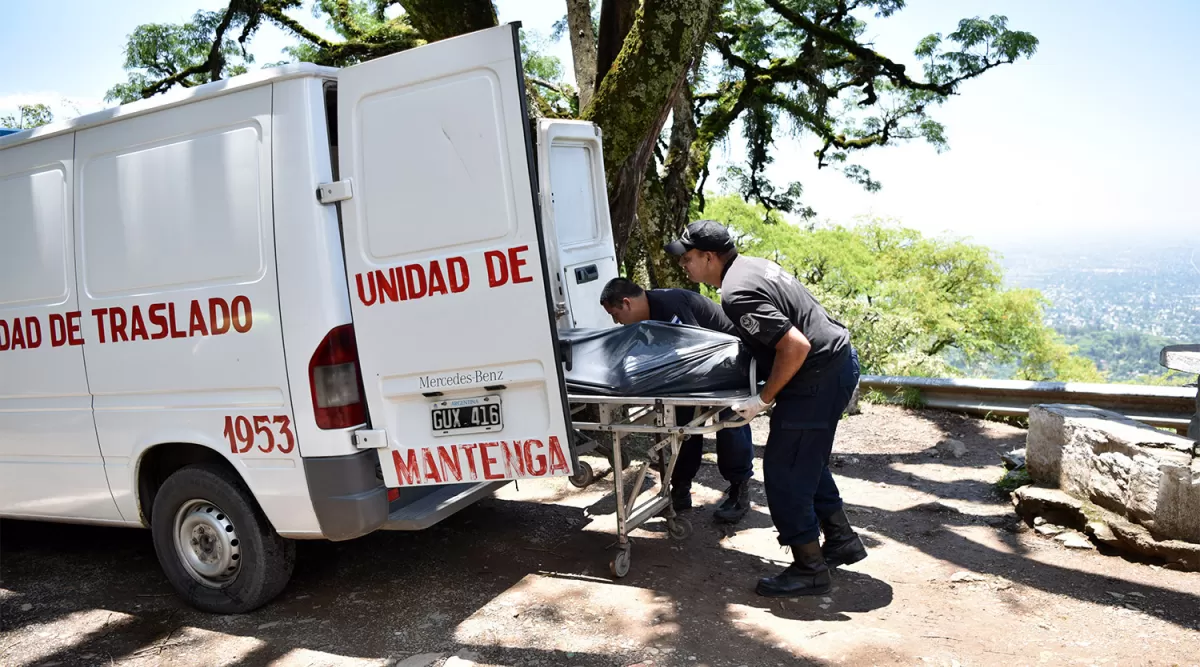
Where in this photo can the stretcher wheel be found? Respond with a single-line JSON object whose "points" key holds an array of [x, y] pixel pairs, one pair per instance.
{"points": [[583, 476], [620, 564], [679, 528]]}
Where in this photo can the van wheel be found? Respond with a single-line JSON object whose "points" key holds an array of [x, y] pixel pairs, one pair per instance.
{"points": [[214, 543]]}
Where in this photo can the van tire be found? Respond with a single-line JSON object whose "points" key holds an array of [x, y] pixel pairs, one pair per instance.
{"points": [[216, 504]]}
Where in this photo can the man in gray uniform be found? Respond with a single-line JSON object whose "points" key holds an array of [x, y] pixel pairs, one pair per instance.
{"points": [[814, 370]]}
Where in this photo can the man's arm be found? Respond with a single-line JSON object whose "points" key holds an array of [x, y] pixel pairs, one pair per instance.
{"points": [[790, 353], [759, 320]]}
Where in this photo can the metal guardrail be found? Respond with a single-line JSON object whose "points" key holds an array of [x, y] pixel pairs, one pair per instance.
{"points": [[1168, 407]]}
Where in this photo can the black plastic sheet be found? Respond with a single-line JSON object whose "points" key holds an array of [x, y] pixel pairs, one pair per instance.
{"points": [[655, 359]]}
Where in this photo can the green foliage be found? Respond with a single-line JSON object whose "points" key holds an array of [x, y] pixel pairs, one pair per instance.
{"points": [[909, 300], [28, 116], [1126, 356], [1014, 479], [911, 397], [549, 93], [1166, 378], [806, 67], [158, 51], [365, 30]]}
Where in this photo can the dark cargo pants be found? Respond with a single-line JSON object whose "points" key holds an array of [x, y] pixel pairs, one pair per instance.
{"points": [[800, 488], [735, 452]]}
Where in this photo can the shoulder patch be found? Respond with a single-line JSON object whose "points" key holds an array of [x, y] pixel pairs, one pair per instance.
{"points": [[749, 324]]}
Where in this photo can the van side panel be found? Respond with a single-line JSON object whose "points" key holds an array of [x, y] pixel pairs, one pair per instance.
{"points": [[313, 295], [50, 462], [180, 299]]}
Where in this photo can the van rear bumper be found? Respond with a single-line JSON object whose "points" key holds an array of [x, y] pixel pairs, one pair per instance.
{"points": [[348, 494]]}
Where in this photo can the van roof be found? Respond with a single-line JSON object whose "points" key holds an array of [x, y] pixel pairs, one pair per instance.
{"points": [[172, 98]]}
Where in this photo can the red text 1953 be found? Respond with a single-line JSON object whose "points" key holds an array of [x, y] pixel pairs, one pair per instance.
{"points": [[244, 435]]}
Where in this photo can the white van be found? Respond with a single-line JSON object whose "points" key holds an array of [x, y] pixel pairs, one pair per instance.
{"points": [[301, 303]]}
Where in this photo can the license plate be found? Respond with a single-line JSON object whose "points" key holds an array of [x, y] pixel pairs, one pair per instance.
{"points": [[478, 414]]}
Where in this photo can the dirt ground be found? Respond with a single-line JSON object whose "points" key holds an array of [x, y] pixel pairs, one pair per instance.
{"points": [[953, 578]]}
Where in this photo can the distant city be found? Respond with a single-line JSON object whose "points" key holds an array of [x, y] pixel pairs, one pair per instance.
{"points": [[1119, 300]]}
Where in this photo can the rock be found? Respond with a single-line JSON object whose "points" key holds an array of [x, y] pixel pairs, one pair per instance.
{"points": [[1137, 595], [455, 661], [1060, 509], [1049, 530], [1054, 506], [1116, 595], [965, 576], [1073, 540], [422, 660], [26, 607], [852, 408], [1179, 554], [1014, 459], [1038, 521], [1100, 532], [952, 447], [1141, 473]]}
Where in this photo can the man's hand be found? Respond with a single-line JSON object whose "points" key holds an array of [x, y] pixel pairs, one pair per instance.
{"points": [[750, 407]]}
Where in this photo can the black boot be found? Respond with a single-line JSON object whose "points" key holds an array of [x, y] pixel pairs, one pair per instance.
{"points": [[808, 575], [842, 545], [736, 503], [681, 497]]}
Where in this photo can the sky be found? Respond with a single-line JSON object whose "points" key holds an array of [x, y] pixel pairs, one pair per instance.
{"points": [[1094, 138]]}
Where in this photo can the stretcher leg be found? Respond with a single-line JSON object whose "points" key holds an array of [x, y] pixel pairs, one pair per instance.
{"points": [[655, 416]]}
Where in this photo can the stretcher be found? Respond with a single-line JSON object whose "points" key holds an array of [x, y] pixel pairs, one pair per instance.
{"points": [[622, 416]]}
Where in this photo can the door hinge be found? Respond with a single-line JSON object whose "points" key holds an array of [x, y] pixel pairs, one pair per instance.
{"points": [[370, 439], [328, 193]]}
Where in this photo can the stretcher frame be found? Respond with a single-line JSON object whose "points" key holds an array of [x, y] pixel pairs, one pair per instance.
{"points": [[625, 415]]}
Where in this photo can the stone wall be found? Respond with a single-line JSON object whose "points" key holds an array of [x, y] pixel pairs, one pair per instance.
{"points": [[1145, 475]]}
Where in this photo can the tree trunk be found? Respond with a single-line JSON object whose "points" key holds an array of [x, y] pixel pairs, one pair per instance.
{"points": [[678, 186], [616, 20], [635, 97], [441, 19], [583, 48]]}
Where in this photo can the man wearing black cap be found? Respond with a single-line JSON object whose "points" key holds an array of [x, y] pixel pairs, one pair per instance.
{"points": [[814, 369]]}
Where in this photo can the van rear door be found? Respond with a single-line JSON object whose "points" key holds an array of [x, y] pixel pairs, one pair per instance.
{"points": [[575, 207], [446, 262]]}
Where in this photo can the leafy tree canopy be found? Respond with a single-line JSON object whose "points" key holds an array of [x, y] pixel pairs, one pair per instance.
{"points": [[908, 299], [28, 116]]}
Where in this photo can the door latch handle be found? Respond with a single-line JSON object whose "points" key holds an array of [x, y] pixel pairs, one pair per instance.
{"points": [[586, 274]]}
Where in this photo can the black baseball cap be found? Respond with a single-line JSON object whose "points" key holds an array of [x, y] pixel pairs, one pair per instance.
{"points": [[707, 235]]}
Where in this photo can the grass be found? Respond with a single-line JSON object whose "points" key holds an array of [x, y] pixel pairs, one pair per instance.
{"points": [[1013, 480], [909, 397]]}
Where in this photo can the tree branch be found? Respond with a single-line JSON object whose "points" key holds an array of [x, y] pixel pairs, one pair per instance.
{"points": [[439, 19], [288, 23], [893, 70], [213, 64], [545, 84]]}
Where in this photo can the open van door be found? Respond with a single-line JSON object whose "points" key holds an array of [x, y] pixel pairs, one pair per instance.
{"points": [[575, 207], [446, 262]]}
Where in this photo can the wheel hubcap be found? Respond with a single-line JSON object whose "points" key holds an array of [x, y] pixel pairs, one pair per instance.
{"points": [[207, 543]]}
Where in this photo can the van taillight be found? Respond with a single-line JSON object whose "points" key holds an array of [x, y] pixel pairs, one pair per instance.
{"points": [[334, 377]]}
